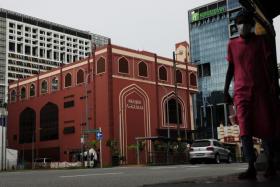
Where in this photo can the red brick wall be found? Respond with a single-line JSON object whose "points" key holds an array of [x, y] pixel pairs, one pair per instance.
{"points": [[106, 94]]}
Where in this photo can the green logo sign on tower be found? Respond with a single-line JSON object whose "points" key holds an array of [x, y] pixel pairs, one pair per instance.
{"points": [[196, 16]]}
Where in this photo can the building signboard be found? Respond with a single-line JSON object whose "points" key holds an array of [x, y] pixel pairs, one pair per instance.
{"points": [[196, 16], [135, 104]]}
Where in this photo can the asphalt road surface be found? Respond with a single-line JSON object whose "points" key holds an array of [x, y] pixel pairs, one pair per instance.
{"points": [[118, 176]]}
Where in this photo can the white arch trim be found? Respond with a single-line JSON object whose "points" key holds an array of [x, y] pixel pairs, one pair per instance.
{"points": [[164, 99], [133, 88]]}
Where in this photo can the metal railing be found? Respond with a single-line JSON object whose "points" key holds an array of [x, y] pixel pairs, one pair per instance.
{"points": [[166, 158]]}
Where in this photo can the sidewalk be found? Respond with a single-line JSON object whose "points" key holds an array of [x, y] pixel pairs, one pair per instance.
{"points": [[228, 181]]}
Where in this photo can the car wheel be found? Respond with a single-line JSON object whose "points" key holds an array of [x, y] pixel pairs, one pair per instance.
{"points": [[217, 159], [229, 159]]}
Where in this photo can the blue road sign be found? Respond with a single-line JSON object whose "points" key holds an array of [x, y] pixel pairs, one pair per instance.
{"points": [[99, 135]]}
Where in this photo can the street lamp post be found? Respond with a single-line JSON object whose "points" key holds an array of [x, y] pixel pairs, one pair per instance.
{"points": [[188, 95], [167, 114], [167, 119], [34, 146], [212, 120], [82, 147], [2, 146], [86, 105], [176, 95], [168, 131], [225, 116], [23, 149], [212, 125], [86, 112], [33, 139], [168, 125], [4, 126]]}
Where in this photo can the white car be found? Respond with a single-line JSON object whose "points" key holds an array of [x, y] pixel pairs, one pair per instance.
{"points": [[209, 149]]}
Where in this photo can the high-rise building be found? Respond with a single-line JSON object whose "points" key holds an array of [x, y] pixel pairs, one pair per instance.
{"points": [[211, 26], [29, 45]]}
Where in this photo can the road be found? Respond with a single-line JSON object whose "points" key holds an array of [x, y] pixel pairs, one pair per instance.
{"points": [[113, 177]]}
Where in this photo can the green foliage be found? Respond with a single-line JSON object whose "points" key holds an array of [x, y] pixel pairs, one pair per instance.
{"points": [[141, 146], [115, 151], [94, 144], [182, 147], [114, 147], [160, 145]]}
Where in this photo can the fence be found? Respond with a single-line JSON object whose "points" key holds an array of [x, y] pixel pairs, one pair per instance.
{"points": [[164, 158]]}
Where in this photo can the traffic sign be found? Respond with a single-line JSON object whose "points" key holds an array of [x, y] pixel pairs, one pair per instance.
{"points": [[99, 135]]}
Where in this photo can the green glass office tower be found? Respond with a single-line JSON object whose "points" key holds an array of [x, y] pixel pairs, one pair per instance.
{"points": [[211, 26]]}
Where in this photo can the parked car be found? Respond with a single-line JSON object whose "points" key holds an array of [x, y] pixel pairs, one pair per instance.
{"points": [[209, 149]]}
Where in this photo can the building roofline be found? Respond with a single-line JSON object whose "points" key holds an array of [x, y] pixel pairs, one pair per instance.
{"points": [[184, 43], [45, 24], [144, 53], [141, 52], [205, 5]]}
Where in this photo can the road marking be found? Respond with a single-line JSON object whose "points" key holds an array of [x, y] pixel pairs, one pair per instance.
{"points": [[94, 174], [190, 166], [241, 168], [170, 167]]}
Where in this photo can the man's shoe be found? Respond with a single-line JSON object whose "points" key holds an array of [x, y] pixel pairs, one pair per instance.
{"points": [[249, 174]]}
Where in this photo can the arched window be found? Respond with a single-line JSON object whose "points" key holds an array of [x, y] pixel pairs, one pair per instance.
{"points": [[49, 122], [13, 95], [170, 110], [54, 84], [68, 80], [162, 73], [80, 76], [193, 80], [27, 124], [179, 78], [23, 93], [100, 66], [32, 90], [44, 87], [123, 65], [143, 69]]}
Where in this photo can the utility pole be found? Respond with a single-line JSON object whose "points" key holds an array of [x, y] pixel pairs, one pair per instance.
{"points": [[176, 95], [100, 153], [33, 139], [6, 140], [167, 123], [87, 128], [2, 145], [82, 146], [86, 110], [212, 123]]}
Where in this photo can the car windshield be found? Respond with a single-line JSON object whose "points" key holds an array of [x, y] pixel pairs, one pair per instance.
{"points": [[201, 143]]}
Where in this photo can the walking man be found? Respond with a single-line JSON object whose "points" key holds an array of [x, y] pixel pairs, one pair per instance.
{"points": [[255, 91]]}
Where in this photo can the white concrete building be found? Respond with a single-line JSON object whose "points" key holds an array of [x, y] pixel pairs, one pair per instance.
{"points": [[29, 45]]}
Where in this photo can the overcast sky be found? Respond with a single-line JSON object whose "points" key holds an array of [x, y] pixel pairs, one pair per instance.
{"points": [[152, 25]]}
